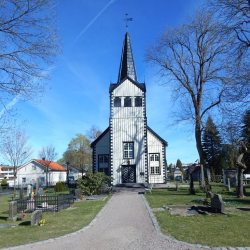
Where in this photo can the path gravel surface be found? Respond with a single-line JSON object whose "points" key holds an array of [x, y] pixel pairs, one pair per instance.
{"points": [[124, 223]]}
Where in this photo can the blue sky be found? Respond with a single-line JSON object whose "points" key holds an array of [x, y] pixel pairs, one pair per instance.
{"points": [[91, 34]]}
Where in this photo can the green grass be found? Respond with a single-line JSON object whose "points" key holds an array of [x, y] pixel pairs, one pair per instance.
{"points": [[160, 197], [214, 230], [231, 229], [57, 223]]}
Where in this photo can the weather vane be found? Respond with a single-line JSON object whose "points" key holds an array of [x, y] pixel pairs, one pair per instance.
{"points": [[127, 19]]}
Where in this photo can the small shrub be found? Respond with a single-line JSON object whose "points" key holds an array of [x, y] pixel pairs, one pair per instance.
{"points": [[93, 183], [4, 183], [60, 187]]}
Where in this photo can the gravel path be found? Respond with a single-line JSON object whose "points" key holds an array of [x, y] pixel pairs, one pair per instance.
{"points": [[124, 223]]}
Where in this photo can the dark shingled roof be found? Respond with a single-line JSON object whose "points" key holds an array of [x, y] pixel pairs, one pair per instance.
{"points": [[127, 66]]}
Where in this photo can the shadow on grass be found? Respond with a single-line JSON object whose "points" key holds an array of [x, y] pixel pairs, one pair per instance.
{"points": [[3, 217], [245, 209], [25, 223], [238, 201]]}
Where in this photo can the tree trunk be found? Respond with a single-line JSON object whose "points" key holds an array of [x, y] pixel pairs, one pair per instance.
{"points": [[201, 152], [240, 189], [191, 184]]}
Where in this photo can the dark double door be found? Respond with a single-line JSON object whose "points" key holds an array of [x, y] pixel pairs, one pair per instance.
{"points": [[128, 174]]}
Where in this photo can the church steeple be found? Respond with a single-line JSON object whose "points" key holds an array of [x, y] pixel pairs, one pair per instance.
{"points": [[127, 66]]}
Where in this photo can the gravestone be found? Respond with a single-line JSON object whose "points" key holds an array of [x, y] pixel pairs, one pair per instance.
{"points": [[37, 186], [21, 195], [217, 204], [36, 216], [29, 190], [13, 210], [78, 194], [40, 191]]}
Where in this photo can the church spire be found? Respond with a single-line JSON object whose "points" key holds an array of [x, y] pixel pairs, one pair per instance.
{"points": [[127, 66]]}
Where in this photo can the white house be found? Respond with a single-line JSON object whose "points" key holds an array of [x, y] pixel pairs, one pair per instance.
{"points": [[7, 172], [42, 171], [128, 150]]}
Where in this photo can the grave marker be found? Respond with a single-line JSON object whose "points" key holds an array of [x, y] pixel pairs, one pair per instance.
{"points": [[36, 216], [13, 210]]}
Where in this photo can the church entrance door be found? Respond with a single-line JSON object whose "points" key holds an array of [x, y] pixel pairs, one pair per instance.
{"points": [[128, 174]]}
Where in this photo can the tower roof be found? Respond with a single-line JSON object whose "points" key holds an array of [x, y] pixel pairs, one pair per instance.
{"points": [[127, 66]]}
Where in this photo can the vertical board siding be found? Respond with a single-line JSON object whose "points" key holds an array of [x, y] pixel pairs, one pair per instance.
{"points": [[128, 125], [156, 146]]}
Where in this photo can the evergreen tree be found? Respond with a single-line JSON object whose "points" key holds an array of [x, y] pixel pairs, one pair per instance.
{"points": [[211, 143], [179, 166], [245, 133], [229, 155]]}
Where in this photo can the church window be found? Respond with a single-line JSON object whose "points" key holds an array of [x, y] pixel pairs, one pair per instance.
{"points": [[155, 163], [128, 150], [138, 101], [103, 163], [117, 102], [155, 157], [103, 158], [127, 102]]}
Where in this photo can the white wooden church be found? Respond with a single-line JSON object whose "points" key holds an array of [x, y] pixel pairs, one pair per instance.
{"points": [[128, 150]]}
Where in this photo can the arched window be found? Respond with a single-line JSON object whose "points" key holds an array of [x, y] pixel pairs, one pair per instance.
{"points": [[127, 102], [117, 102], [138, 101]]}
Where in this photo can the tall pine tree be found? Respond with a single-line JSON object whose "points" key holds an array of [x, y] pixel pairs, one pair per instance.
{"points": [[211, 143], [245, 133]]}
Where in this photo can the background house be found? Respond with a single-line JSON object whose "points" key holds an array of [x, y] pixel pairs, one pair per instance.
{"points": [[7, 172], [41, 171]]}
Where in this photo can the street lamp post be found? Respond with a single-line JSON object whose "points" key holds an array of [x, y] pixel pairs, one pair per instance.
{"points": [[67, 164]]}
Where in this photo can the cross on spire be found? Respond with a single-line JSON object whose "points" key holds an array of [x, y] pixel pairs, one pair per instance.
{"points": [[127, 19]]}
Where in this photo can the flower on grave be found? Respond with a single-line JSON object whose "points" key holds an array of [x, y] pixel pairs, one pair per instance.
{"points": [[42, 222]]}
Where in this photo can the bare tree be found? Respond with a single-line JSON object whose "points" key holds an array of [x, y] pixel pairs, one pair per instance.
{"points": [[193, 58], [49, 153], [15, 150], [28, 44], [234, 18], [234, 15], [93, 133]]}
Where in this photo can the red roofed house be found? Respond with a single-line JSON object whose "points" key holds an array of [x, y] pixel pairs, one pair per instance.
{"points": [[41, 170]]}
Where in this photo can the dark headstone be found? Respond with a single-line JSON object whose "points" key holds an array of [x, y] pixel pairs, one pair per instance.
{"points": [[217, 204], [21, 194], [78, 194], [36, 216], [13, 210]]}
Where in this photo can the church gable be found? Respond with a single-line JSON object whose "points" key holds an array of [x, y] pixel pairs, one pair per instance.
{"points": [[101, 152], [127, 88]]}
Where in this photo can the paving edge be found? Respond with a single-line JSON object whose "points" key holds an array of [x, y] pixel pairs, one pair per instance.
{"points": [[168, 237], [63, 236]]}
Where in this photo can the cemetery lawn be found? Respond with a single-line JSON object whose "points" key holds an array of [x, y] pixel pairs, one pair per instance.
{"points": [[229, 229], [57, 223]]}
